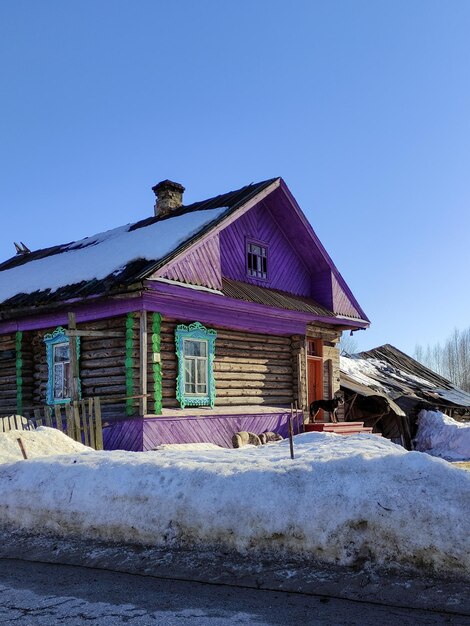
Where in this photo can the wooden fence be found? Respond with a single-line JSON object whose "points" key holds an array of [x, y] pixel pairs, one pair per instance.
{"points": [[79, 420]]}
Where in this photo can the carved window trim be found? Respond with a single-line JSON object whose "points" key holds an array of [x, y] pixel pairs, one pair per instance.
{"points": [[198, 333], [53, 341]]}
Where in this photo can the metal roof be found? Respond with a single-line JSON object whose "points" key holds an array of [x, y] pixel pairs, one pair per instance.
{"points": [[273, 298], [134, 271], [399, 375]]}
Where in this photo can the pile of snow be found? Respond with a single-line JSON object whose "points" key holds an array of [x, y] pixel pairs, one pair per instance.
{"points": [[341, 500], [37, 443], [443, 436]]}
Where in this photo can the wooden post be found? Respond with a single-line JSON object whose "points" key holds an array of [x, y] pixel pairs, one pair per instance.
{"points": [[99, 425], [73, 376], [91, 424], [143, 362], [23, 451], [291, 439], [85, 423]]}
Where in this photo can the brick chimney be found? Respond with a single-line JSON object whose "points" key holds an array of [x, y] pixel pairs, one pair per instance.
{"points": [[169, 197]]}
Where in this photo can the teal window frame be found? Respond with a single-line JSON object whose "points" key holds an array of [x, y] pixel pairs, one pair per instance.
{"points": [[195, 332], [52, 340]]}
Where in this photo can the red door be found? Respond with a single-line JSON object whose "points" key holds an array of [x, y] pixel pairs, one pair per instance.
{"points": [[315, 381]]}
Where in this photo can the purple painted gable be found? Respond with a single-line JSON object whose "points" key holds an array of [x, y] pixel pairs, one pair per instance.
{"points": [[199, 267], [341, 303], [286, 270]]}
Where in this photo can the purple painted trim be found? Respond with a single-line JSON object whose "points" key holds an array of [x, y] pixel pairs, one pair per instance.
{"points": [[187, 304], [84, 313], [323, 252], [190, 304], [147, 433]]}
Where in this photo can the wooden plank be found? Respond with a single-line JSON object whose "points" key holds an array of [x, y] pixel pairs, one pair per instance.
{"points": [[94, 333], [69, 421], [37, 417], [58, 417], [99, 424], [91, 425], [84, 422], [47, 416], [76, 420]]}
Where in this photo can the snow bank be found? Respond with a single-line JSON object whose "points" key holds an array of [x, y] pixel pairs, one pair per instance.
{"points": [[342, 500], [443, 436], [37, 443]]}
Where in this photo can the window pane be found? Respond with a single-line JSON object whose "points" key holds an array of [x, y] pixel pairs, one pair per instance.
{"points": [[61, 352], [202, 375], [189, 371], [59, 381], [193, 347], [66, 374]]}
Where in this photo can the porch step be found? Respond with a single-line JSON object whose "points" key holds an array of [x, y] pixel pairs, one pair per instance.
{"points": [[340, 428]]}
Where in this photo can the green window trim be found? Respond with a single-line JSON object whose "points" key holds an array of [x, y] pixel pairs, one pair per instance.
{"points": [[157, 365], [129, 363], [195, 349], [53, 341]]}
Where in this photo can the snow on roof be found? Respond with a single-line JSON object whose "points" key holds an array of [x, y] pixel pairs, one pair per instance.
{"points": [[395, 381], [339, 500], [104, 254]]}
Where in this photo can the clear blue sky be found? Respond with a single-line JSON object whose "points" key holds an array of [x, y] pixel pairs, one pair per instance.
{"points": [[362, 107]]}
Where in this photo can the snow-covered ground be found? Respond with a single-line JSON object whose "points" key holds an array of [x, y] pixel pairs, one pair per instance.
{"points": [[443, 436], [37, 443], [342, 499]]}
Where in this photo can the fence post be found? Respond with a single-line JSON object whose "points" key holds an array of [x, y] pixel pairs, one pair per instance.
{"points": [[99, 425]]}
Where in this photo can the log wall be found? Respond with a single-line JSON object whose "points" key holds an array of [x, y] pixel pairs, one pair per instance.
{"points": [[7, 373], [101, 365], [249, 368]]}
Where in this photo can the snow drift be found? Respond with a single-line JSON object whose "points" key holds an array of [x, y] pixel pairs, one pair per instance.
{"points": [[40, 442], [342, 500], [443, 436]]}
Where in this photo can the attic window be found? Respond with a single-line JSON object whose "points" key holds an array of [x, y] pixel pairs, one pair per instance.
{"points": [[256, 260]]}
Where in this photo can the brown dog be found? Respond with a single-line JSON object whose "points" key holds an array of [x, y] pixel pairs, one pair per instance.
{"points": [[330, 406]]}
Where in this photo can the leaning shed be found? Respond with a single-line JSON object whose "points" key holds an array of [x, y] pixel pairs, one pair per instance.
{"points": [[386, 389]]}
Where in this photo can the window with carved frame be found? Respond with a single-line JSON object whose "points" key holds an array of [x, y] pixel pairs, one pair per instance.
{"points": [[58, 364], [195, 348]]}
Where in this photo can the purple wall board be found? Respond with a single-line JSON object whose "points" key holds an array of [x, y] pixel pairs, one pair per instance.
{"points": [[148, 433], [286, 270]]}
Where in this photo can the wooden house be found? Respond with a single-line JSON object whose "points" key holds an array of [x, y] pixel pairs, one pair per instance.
{"points": [[190, 325]]}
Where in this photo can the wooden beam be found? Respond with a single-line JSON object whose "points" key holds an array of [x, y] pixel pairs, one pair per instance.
{"points": [[143, 362], [93, 333], [73, 376]]}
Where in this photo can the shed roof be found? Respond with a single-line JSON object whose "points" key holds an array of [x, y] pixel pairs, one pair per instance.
{"points": [[392, 372]]}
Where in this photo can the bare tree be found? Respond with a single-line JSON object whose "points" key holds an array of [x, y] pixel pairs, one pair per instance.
{"points": [[452, 360], [347, 344]]}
